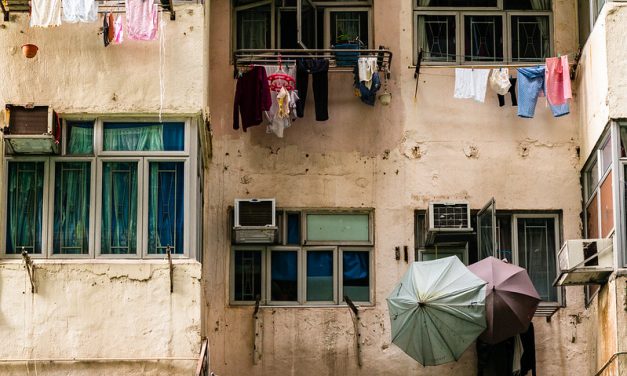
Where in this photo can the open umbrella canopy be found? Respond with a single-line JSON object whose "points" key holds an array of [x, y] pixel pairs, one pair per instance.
{"points": [[437, 310], [511, 299]]}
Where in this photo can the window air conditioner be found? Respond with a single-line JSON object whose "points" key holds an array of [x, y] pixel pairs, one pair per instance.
{"points": [[447, 222], [255, 221], [585, 261], [31, 130]]}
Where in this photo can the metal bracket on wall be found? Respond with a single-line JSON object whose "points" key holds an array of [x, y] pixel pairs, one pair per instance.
{"points": [[169, 252], [5, 12], [30, 269], [356, 318], [258, 332]]}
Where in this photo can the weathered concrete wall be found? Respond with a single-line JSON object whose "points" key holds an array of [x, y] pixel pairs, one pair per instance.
{"points": [[590, 88], [74, 72], [100, 310], [616, 29], [395, 159]]}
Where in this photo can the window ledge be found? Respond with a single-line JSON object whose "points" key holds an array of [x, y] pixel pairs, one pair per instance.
{"points": [[369, 306], [38, 261]]}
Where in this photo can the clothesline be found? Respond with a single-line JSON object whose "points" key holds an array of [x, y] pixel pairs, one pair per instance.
{"points": [[485, 64]]}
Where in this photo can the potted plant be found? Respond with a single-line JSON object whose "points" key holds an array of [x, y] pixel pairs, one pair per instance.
{"points": [[347, 42]]}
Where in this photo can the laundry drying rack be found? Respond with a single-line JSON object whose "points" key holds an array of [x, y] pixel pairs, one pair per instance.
{"points": [[247, 57]]}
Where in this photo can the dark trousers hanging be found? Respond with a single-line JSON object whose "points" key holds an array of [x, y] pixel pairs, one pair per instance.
{"points": [[512, 91], [319, 69]]}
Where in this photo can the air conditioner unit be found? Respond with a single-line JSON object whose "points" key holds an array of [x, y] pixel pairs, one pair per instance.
{"points": [[447, 222], [31, 130], [585, 261], [255, 221]]}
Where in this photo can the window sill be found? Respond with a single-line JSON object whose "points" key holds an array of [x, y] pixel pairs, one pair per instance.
{"points": [[56, 261], [306, 306]]}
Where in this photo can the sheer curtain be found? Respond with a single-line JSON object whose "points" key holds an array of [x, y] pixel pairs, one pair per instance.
{"points": [[81, 140], [71, 217], [119, 208], [25, 196], [165, 217], [543, 23], [125, 137]]}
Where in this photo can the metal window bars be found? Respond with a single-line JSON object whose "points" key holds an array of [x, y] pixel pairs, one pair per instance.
{"points": [[104, 6], [247, 57]]}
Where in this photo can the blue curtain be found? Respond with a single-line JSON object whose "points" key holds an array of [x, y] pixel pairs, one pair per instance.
{"points": [[166, 207], [320, 275], [119, 208], [284, 266], [356, 265], [25, 202], [144, 136], [293, 229], [71, 208], [80, 138]]}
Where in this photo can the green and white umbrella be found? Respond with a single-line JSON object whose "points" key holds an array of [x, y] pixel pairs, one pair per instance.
{"points": [[437, 310]]}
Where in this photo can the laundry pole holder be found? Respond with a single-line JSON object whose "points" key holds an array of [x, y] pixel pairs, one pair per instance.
{"points": [[30, 269], [357, 326]]}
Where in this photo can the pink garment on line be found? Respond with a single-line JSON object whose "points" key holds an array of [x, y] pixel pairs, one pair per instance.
{"points": [[557, 80], [142, 19], [118, 30]]}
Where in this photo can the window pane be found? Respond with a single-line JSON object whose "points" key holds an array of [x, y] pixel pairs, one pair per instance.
{"points": [[456, 3], [24, 204], [80, 138], [349, 27], [284, 276], [592, 218], [72, 183], [293, 228], [486, 232], [308, 26], [119, 208], [504, 234], [247, 275], [583, 13], [536, 253], [606, 156], [320, 276], [144, 136], [253, 27], [483, 38], [166, 207], [607, 206], [592, 179], [288, 36], [337, 227], [436, 37], [356, 274], [530, 38], [444, 252], [527, 4]]}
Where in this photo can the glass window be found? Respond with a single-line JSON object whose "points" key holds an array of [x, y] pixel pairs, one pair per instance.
{"points": [[166, 207], [338, 227], [80, 138], [530, 38], [254, 28], [119, 208], [349, 27], [606, 156], [247, 276], [483, 38], [536, 253], [320, 276], [293, 228], [72, 190], [457, 3], [436, 37], [527, 4], [437, 253], [356, 275], [25, 207], [144, 136], [592, 178], [284, 276]]}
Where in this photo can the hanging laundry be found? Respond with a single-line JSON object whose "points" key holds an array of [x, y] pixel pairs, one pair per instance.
{"points": [[80, 11], [281, 119], [319, 69], [283, 109], [471, 83], [557, 80], [367, 66], [499, 80], [252, 97], [512, 91], [111, 34], [368, 95], [45, 13], [105, 30], [530, 87], [142, 19], [118, 30]]}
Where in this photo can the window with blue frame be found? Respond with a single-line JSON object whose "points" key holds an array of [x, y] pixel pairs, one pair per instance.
{"points": [[319, 258], [118, 189]]}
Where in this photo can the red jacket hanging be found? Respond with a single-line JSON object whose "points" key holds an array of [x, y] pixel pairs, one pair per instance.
{"points": [[252, 97]]}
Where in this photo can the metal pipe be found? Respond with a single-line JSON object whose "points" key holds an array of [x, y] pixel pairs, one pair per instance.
{"points": [[609, 361], [83, 360]]}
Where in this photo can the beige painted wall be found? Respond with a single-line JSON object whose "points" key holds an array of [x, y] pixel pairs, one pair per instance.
{"points": [[395, 159], [103, 309], [100, 310]]}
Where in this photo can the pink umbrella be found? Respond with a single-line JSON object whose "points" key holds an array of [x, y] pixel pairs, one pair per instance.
{"points": [[511, 299]]}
